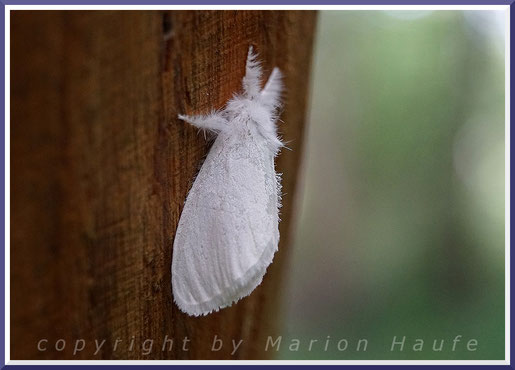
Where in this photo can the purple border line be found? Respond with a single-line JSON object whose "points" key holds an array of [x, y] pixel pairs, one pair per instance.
{"points": [[274, 367], [261, 2], [2, 201], [512, 257]]}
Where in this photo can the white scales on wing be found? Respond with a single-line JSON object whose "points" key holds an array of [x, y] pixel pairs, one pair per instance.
{"points": [[228, 231]]}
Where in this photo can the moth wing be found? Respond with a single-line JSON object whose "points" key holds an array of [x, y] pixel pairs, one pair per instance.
{"points": [[228, 230]]}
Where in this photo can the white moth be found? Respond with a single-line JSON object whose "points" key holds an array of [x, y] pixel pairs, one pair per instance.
{"points": [[228, 231]]}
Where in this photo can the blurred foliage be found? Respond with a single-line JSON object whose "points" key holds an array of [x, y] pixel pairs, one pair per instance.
{"points": [[401, 228]]}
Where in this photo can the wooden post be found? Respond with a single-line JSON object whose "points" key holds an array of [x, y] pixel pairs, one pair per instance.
{"points": [[100, 168]]}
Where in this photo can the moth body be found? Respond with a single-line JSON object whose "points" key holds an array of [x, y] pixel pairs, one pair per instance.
{"points": [[228, 230]]}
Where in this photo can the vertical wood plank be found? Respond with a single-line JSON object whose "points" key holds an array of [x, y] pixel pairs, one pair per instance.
{"points": [[100, 168]]}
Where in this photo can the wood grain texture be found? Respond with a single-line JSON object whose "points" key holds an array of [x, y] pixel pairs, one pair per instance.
{"points": [[100, 169]]}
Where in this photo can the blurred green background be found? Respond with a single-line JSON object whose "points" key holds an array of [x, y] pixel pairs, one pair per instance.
{"points": [[401, 219]]}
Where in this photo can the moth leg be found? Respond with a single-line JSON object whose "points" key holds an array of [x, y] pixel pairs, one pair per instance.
{"points": [[253, 73], [271, 93], [214, 121]]}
